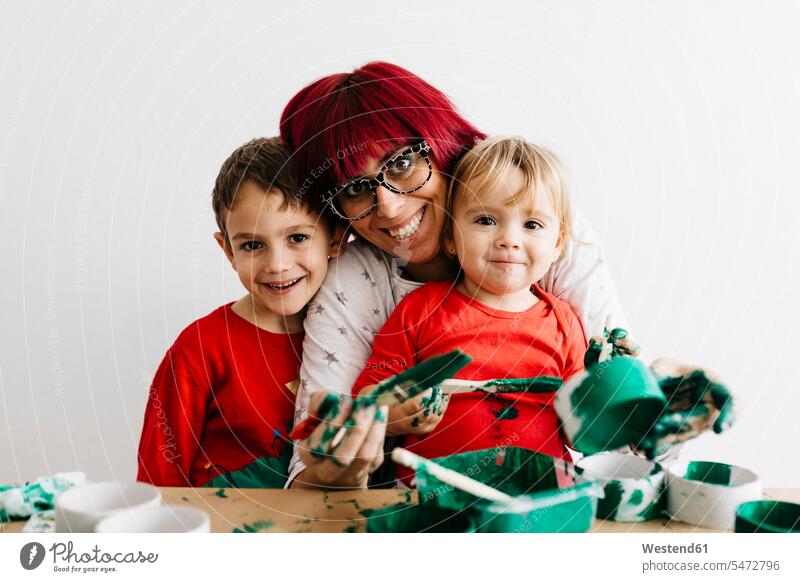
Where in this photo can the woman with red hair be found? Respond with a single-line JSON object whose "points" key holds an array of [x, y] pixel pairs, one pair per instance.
{"points": [[378, 145]]}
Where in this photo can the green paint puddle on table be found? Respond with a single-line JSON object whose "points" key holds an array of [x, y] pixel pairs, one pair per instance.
{"points": [[254, 527], [220, 493]]}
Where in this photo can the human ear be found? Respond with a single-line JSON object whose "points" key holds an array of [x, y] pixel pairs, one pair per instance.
{"points": [[337, 243], [449, 243], [560, 245], [223, 243]]}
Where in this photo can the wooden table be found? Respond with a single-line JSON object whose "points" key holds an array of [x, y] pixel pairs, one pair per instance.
{"points": [[276, 510]]}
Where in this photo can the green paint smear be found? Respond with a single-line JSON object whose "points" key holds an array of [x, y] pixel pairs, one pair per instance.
{"points": [[517, 472], [221, 493], [351, 529], [424, 375], [263, 473], [538, 385], [254, 527], [608, 506], [708, 472], [506, 413]]}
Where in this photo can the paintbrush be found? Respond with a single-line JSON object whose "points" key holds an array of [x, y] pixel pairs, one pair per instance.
{"points": [[538, 385], [458, 480], [393, 390]]}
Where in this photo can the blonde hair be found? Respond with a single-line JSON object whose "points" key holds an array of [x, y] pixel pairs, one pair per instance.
{"points": [[490, 161]]}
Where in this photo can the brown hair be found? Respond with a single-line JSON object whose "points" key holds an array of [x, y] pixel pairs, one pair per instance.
{"points": [[485, 165], [266, 162]]}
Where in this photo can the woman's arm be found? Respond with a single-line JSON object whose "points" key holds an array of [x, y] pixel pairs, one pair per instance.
{"points": [[341, 321], [582, 279]]}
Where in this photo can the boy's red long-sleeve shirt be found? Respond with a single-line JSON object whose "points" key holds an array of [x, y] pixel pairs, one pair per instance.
{"points": [[545, 340], [221, 400]]}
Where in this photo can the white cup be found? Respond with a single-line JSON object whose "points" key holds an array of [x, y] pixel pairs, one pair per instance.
{"points": [[162, 519], [709, 501], [80, 508]]}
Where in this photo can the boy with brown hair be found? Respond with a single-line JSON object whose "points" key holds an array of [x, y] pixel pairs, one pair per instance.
{"points": [[222, 401]]}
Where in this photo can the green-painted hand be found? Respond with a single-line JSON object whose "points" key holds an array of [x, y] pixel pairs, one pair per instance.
{"points": [[613, 344], [696, 402]]}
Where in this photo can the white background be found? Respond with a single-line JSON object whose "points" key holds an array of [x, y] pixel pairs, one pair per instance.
{"points": [[678, 120]]}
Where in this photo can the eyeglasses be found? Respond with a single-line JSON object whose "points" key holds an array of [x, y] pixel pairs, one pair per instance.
{"points": [[408, 170]]}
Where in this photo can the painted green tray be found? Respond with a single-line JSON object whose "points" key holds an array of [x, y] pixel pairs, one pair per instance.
{"points": [[512, 470], [768, 516], [404, 518], [549, 500]]}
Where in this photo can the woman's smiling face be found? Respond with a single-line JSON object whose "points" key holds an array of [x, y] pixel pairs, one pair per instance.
{"points": [[408, 226]]}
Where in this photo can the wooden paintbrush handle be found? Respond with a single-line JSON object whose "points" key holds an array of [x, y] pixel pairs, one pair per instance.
{"points": [[459, 481]]}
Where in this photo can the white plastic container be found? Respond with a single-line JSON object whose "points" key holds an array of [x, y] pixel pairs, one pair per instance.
{"points": [[81, 508], [162, 519], [707, 494]]}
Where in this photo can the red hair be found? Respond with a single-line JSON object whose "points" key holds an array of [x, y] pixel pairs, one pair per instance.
{"points": [[337, 123]]}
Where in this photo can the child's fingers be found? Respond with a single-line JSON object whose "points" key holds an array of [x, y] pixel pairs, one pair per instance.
{"points": [[358, 427], [321, 440], [371, 452]]}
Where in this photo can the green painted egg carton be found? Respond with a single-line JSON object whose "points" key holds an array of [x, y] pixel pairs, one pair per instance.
{"points": [[547, 499]]}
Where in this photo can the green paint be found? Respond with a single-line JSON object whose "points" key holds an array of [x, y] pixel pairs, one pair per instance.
{"points": [[608, 506], [538, 385], [506, 413], [263, 473], [512, 470], [637, 497], [708, 472], [767, 516], [415, 422], [424, 375], [694, 400], [617, 404], [433, 405], [254, 527], [351, 529], [556, 511], [407, 496], [185, 499], [220, 493], [403, 518], [354, 502], [614, 344]]}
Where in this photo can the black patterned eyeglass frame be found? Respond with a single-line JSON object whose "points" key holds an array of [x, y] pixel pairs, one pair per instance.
{"points": [[420, 147]]}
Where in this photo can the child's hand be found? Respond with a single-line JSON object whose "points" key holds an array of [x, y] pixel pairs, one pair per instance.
{"points": [[418, 415], [697, 402], [613, 344], [347, 445]]}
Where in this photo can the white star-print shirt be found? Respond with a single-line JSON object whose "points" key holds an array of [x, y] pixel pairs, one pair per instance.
{"points": [[365, 284]]}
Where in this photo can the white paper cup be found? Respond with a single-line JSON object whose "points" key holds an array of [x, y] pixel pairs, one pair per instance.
{"points": [[80, 508], [162, 519], [707, 494]]}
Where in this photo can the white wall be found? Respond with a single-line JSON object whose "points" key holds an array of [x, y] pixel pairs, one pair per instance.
{"points": [[679, 122]]}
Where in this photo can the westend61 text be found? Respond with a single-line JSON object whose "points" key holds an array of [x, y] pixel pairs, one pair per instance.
{"points": [[673, 549], [64, 553]]}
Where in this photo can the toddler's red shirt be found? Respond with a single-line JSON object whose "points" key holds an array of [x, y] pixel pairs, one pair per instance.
{"points": [[545, 340], [222, 399]]}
